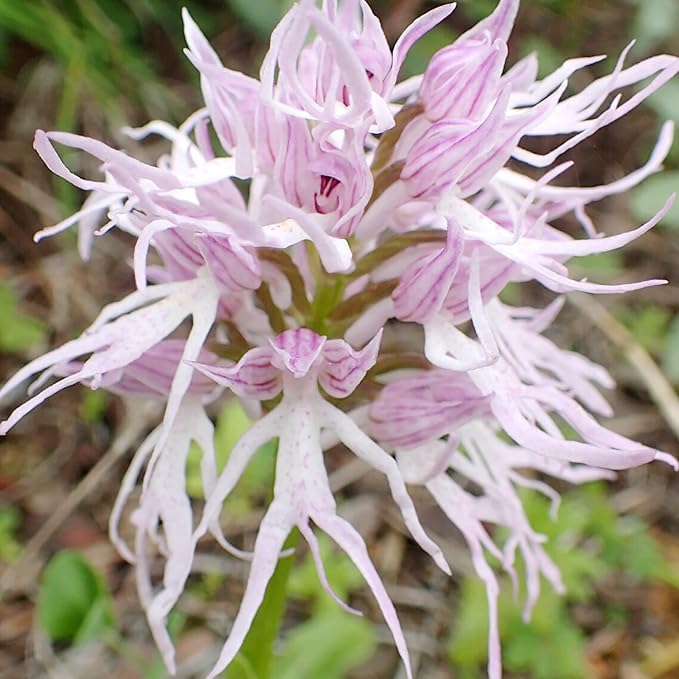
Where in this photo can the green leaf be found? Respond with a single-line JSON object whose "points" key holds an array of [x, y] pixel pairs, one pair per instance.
{"points": [[328, 645], [602, 267], [648, 324], [664, 101], [19, 333], [587, 541], [340, 570], [549, 642], [579, 568], [97, 619], [475, 10], [650, 196], [468, 645], [256, 653], [9, 521], [550, 645], [73, 603], [560, 654], [642, 558], [262, 15], [655, 22], [549, 58], [670, 354], [257, 479], [93, 405]]}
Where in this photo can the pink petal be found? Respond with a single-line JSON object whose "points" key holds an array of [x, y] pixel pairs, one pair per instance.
{"points": [[343, 368], [425, 284], [297, 350], [413, 33], [254, 376]]}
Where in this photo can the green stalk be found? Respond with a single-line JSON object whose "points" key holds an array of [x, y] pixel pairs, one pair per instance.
{"points": [[73, 77], [256, 654], [325, 300]]}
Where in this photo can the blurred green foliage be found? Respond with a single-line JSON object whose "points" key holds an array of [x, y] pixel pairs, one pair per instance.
{"points": [[9, 522], [75, 607], [588, 542], [655, 22], [103, 52], [331, 642], [101, 49], [260, 16], [603, 267], [670, 353], [648, 323], [108, 68], [256, 483], [422, 51], [93, 405], [650, 196], [73, 602], [19, 332]]}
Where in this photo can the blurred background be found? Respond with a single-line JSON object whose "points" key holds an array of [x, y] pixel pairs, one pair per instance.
{"points": [[68, 605]]}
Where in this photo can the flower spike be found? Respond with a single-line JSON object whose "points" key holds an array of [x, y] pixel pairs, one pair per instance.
{"points": [[328, 246]]}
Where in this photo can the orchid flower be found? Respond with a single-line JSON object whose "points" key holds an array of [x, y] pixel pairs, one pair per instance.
{"points": [[368, 202], [296, 362]]}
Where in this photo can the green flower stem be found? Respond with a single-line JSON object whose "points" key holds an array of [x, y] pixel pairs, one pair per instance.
{"points": [[326, 298], [256, 654]]}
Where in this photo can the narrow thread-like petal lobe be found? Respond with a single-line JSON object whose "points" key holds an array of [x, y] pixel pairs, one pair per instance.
{"points": [[297, 218], [116, 344]]}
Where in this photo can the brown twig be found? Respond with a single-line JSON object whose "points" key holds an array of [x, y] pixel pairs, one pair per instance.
{"points": [[20, 574], [31, 195], [663, 659], [659, 389]]}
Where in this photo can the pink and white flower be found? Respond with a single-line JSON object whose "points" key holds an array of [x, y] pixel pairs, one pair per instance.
{"points": [[369, 201]]}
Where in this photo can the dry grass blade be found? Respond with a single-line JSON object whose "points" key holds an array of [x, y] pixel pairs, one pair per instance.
{"points": [[21, 574], [31, 195], [659, 389]]}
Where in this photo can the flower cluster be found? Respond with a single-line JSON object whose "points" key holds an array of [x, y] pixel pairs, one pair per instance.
{"points": [[367, 201]]}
